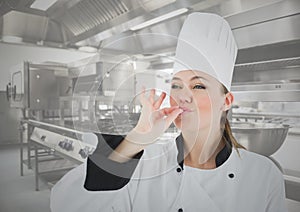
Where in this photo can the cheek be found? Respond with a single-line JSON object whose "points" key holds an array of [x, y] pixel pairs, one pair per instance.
{"points": [[203, 104]]}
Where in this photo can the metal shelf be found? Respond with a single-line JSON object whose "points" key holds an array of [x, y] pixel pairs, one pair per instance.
{"points": [[269, 65], [267, 95]]}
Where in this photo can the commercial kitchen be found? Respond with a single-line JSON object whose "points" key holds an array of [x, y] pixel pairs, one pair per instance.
{"points": [[69, 68]]}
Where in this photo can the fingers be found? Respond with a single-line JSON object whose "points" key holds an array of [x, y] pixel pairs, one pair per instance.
{"points": [[151, 99], [151, 96], [172, 116], [164, 112], [168, 114], [161, 98], [167, 111]]}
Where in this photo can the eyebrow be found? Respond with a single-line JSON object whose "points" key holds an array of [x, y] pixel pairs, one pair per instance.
{"points": [[193, 78]]}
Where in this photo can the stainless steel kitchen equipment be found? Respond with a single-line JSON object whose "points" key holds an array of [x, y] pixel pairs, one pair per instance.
{"points": [[36, 86], [35, 90], [60, 103], [90, 23], [262, 138], [266, 90], [70, 146], [52, 144]]}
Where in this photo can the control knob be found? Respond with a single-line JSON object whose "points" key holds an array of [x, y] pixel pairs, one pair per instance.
{"points": [[66, 145], [83, 153], [69, 146]]}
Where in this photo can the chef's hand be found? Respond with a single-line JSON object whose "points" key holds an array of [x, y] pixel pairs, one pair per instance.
{"points": [[153, 122]]}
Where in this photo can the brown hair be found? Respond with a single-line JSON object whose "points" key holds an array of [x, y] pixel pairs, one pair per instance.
{"points": [[227, 132]]}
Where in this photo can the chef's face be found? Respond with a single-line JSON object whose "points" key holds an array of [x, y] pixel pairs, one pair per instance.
{"points": [[202, 99]]}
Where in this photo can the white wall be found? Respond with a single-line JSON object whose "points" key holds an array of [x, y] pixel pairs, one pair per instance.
{"points": [[11, 55]]}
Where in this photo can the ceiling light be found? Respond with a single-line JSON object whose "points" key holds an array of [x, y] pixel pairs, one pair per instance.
{"points": [[42, 4], [159, 19], [168, 70], [88, 49]]}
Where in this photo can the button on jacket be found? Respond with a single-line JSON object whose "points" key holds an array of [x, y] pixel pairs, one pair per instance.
{"points": [[156, 179]]}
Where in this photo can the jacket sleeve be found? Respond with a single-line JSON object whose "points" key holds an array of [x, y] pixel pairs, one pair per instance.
{"points": [[103, 174], [92, 186], [276, 195]]}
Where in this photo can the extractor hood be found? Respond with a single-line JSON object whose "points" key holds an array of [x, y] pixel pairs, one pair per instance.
{"points": [[104, 24]]}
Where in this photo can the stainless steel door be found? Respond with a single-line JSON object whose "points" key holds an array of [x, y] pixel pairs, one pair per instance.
{"points": [[43, 89], [18, 90]]}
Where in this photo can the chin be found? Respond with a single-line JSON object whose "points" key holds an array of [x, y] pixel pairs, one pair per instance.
{"points": [[187, 125]]}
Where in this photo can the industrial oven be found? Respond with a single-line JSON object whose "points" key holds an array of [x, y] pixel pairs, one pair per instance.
{"points": [[37, 86]]}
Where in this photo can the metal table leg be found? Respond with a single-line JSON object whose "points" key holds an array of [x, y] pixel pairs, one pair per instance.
{"points": [[21, 130], [28, 146], [36, 170], [21, 150]]}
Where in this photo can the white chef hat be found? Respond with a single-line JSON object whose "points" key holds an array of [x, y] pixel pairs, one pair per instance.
{"points": [[206, 44]]}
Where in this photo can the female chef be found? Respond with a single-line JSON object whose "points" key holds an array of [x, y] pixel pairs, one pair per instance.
{"points": [[204, 168]]}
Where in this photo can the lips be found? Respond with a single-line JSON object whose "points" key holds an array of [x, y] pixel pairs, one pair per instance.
{"points": [[185, 109]]}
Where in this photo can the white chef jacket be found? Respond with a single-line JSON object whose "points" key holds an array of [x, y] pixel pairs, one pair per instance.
{"points": [[245, 182]]}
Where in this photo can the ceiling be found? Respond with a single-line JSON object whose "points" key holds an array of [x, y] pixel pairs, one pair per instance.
{"points": [[106, 25]]}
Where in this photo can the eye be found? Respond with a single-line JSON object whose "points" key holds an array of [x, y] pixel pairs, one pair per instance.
{"points": [[174, 86], [198, 87]]}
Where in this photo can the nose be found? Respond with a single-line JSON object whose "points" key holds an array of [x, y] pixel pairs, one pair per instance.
{"points": [[185, 96]]}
